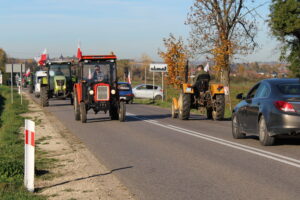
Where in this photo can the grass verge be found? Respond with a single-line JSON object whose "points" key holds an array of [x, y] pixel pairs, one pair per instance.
{"points": [[12, 148]]}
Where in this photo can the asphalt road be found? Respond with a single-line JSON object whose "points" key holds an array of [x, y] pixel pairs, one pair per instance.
{"points": [[157, 157]]}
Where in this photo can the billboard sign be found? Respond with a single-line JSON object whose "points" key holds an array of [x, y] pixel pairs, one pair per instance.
{"points": [[17, 68]]}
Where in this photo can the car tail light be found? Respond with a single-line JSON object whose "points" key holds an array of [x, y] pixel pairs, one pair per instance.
{"points": [[284, 106]]}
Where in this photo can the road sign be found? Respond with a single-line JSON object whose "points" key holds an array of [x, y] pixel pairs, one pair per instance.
{"points": [[158, 68], [17, 68]]}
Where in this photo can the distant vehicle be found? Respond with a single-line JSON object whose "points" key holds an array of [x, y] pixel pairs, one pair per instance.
{"points": [[146, 91], [271, 108], [125, 92], [37, 82]]}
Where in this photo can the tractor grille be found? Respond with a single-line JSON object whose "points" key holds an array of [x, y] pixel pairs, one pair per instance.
{"points": [[102, 93], [60, 82]]}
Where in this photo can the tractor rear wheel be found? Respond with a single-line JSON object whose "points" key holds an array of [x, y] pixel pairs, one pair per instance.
{"points": [[122, 111], [219, 107], [82, 112], [184, 106], [44, 98], [76, 108]]}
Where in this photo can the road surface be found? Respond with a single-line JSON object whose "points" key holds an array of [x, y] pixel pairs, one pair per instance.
{"points": [[164, 158]]}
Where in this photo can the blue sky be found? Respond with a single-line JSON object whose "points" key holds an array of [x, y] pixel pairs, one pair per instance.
{"points": [[127, 27]]}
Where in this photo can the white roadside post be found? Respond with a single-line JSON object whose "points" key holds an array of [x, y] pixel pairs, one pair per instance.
{"points": [[29, 155]]}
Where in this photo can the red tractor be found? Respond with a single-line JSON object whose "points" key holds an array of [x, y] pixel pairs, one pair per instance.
{"points": [[97, 88]]}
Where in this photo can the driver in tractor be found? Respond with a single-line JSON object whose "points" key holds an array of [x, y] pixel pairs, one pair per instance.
{"points": [[59, 72], [201, 81], [98, 75]]}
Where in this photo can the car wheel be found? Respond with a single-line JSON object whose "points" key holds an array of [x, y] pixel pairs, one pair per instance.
{"points": [[264, 137], [236, 132], [158, 97]]}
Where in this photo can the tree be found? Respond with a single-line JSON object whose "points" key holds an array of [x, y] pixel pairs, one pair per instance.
{"points": [[146, 61], [175, 57], [285, 25], [222, 28], [3, 59]]}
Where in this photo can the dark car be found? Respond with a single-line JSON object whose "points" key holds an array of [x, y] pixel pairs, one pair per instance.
{"points": [[271, 108], [125, 92]]}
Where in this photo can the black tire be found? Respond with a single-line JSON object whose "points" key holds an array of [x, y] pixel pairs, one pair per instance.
{"points": [[158, 97], [82, 112], [184, 106], [209, 113], [122, 111], [114, 111], [173, 111], [76, 108], [44, 97], [236, 132], [264, 137], [219, 107]]}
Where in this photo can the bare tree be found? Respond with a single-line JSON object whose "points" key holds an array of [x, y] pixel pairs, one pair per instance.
{"points": [[222, 28]]}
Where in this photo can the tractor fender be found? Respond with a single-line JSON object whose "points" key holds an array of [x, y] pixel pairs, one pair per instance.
{"points": [[216, 89]]}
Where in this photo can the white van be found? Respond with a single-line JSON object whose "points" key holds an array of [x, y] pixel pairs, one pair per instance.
{"points": [[37, 81]]}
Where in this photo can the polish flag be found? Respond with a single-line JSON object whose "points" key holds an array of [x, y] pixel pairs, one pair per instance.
{"points": [[79, 53], [27, 72], [43, 58], [206, 68], [90, 76], [129, 78]]}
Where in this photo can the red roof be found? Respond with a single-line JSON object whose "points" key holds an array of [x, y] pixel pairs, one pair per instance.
{"points": [[98, 57]]}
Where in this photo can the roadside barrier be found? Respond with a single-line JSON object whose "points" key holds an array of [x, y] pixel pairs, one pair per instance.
{"points": [[29, 155]]}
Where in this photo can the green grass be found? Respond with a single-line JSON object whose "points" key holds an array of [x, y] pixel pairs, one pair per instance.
{"points": [[236, 87], [12, 148]]}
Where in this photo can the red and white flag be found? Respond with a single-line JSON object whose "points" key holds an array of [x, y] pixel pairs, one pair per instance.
{"points": [[79, 53], [206, 68], [43, 58], [129, 78], [27, 72]]}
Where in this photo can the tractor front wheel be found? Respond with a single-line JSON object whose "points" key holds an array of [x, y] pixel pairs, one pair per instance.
{"points": [[76, 108], [82, 112], [44, 98], [113, 111], [122, 111], [184, 106], [219, 107]]}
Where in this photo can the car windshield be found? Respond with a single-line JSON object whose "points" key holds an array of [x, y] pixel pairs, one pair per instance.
{"points": [[289, 89], [102, 72], [123, 86], [59, 70]]}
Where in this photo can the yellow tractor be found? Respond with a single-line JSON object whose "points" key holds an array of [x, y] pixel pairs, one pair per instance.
{"points": [[212, 99]]}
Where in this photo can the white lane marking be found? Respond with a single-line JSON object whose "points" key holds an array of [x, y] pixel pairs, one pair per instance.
{"points": [[256, 151]]}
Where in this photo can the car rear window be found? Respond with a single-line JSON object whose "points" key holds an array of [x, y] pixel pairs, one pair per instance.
{"points": [[289, 89], [123, 87]]}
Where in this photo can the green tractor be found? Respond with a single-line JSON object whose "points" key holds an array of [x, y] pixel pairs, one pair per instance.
{"points": [[59, 82]]}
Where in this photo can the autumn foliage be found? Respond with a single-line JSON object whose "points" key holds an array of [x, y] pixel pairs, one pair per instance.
{"points": [[175, 56]]}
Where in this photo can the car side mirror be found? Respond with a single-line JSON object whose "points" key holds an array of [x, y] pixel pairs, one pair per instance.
{"points": [[240, 96]]}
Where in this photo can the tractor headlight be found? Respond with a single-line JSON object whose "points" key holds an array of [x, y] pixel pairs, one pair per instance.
{"points": [[113, 91], [91, 92]]}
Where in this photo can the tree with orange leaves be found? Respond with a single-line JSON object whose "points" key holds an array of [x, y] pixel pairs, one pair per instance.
{"points": [[223, 28], [175, 57]]}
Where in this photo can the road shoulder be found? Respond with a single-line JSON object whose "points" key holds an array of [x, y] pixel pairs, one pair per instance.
{"points": [[74, 172]]}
